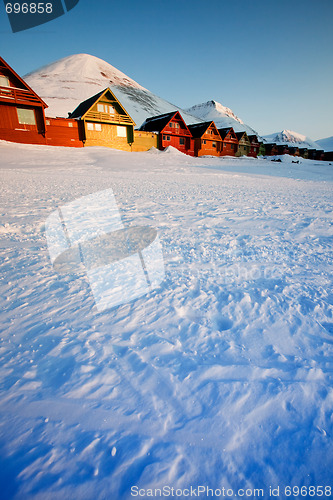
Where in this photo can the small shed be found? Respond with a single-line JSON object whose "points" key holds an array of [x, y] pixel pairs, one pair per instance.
{"points": [[229, 141], [207, 140], [22, 115], [244, 144], [104, 122], [172, 131]]}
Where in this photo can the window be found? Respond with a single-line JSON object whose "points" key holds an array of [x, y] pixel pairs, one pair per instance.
{"points": [[26, 116], [100, 108], [177, 126], [204, 141], [112, 111], [98, 127], [170, 124], [231, 146], [121, 131], [4, 81], [70, 124], [181, 140], [214, 144], [168, 138], [47, 122], [90, 126]]}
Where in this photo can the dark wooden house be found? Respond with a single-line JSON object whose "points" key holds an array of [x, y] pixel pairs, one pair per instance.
{"points": [[22, 117], [207, 140], [283, 149], [244, 144], [271, 149], [254, 146], [294, 151], [229, 141], [103, 121], [303, 152], [172, 131]]}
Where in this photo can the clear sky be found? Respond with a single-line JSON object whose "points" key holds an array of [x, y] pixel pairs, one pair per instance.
{"points": [[270, 61]]}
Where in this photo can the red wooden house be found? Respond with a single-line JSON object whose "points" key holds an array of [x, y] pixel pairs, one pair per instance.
{"points": [[172, 131], [22, 117], [207, 140], [255, 145], [229, 141]]}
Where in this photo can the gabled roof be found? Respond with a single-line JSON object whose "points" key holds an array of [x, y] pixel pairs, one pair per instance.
{"points": [[85, 106], [4, 64], [225, 131], [253, 137], [159, 122], [240, 135], [199, 129]]}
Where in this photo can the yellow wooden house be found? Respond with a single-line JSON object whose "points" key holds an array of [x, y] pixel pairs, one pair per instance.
{"points": [[104, 121]]}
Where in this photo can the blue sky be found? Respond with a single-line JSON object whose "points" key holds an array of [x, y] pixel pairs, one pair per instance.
{"points": [[270, 61]]}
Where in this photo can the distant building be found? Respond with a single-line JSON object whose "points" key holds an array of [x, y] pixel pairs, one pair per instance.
{"points": [[172, 131], [207, 140], [254, 146], [244, 144], [229, 141]]}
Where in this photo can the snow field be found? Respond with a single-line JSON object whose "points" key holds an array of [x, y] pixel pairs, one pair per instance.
{"points": [[222, 376]]}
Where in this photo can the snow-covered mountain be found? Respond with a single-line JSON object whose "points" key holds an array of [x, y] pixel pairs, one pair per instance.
{"points": [[326, 144], [71, 80], [221, 115], [292, 139]]}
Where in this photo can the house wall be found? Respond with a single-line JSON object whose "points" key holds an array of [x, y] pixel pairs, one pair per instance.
{"points": [[228, 148], [108, 135], [243, 148], [63, 132], [143, 141], [166, 140], [12, 130]]}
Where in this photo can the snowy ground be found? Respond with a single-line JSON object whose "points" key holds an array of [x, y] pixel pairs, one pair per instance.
{"points": [[222, 377]]}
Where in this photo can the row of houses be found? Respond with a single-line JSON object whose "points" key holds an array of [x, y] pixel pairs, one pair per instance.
{"points": [[102, 120]]}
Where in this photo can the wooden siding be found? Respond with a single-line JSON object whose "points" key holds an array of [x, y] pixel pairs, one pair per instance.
{"points": [[12, 130], [107, 136], [177, 135], [244, 146], [63, 132], [143, 141]]}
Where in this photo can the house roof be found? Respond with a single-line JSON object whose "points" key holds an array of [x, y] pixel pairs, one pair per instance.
{"points": [[86, 105], [157, 123], [198, 129], [240, 135], [4, 64], [225, 131]]}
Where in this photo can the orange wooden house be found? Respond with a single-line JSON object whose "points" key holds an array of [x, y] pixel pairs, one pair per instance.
{"points": [[207, 140], [172, 131], [22, 116], [229, 141]]}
